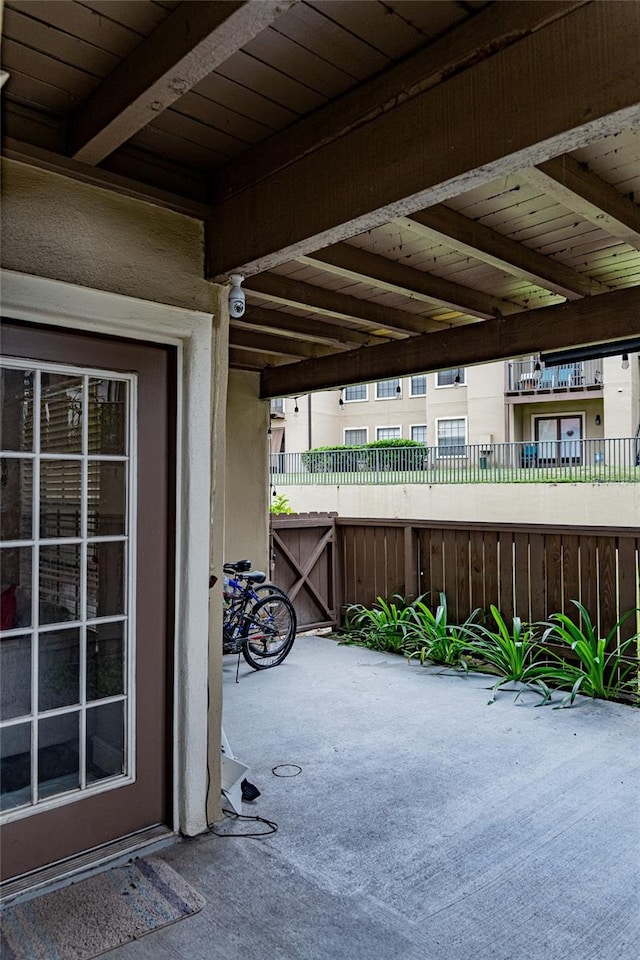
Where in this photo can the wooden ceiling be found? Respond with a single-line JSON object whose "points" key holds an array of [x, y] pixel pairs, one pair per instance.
{"points": [[407, 185]]}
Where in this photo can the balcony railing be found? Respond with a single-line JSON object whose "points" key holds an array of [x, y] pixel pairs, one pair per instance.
{"points": [[523, 376], [563, 461]]}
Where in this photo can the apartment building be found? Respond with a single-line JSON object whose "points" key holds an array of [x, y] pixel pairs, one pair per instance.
{"points": [[523, 401]]}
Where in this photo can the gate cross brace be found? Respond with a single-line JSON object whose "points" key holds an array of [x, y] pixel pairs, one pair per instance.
{"points": [[304, 571]]}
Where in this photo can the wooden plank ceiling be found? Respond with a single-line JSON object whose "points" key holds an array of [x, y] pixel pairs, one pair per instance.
{"points": [[382, 173]]}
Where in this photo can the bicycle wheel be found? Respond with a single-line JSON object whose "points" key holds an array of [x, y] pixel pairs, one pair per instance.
{"points": [[269, 632]]}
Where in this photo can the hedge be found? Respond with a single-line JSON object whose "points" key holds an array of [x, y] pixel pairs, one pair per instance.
{"points": [[395, 454]]}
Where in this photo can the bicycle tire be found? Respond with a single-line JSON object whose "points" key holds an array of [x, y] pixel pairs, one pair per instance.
{"points": [[263, 590], [269, 632]]}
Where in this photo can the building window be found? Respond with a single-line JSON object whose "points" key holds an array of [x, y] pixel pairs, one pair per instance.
{"points": [[419, 385], [452, 437], [388, 389], [356, 437], [450, 378], [277, 407], [388, 433], [358, 392], [419, 432]]}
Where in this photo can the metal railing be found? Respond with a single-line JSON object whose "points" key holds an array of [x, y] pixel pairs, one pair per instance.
{"points": [[522, 375], [564, 461]]}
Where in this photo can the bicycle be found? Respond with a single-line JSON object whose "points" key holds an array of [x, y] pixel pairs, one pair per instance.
{"points": [[259, 619]]}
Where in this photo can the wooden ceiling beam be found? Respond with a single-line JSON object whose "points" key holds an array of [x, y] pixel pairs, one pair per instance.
{"points": [[490, 119], [580, 190], [276, 346], [276, 322], [384, 321], [351, 262], [592, 320], [476, 240], [190, 43], [498, 26]]}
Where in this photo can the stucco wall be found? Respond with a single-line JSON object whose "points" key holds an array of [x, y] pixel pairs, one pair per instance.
{"points": [[247, 498], [616, 504], [56, 227]]}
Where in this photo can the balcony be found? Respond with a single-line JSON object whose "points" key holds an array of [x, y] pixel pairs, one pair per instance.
{"points": [[524, 378]]}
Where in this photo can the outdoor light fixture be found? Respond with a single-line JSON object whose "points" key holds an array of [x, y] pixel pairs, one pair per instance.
{"points": [[398, 390], [598, 420], [341, 401], [457, 380], [625, 361], [537, 371], [296, 409]]}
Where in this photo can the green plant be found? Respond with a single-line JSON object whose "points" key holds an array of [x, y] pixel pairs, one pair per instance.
{"points": [[605, 669], [386, 626], [507, 651], [280, 504], [437, 640]]}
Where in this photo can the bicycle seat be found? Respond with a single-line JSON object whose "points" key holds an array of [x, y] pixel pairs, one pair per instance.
{"points": [[237, 566], [256, 576]]}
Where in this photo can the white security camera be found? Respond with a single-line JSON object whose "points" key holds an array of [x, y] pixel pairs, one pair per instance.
{"points": [[236, 296]]}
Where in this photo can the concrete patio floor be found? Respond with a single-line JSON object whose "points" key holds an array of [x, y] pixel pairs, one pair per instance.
{"points": [[424, 824]]}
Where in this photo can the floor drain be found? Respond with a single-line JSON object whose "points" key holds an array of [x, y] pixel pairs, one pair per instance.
{"points": [[286, 770]]}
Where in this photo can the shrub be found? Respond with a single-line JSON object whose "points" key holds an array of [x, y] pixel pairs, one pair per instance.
{"points": [[386, 626], [436, 639], [394, 454]]}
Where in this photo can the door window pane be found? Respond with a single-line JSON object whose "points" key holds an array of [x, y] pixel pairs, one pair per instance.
{"points": [[15, 592], [61, 413], [59, 669], [58, 754], [16, 422], [107, 499], [16, 500], [105, 583], [107, 416], [105, 741], [15, 766], [60, 498], [60, 583], [105, 660], [15, 677]]}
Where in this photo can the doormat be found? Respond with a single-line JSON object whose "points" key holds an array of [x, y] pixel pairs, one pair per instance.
{"points": [[95, 915]]}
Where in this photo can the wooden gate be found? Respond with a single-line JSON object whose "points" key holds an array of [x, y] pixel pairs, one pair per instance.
{"points": [[303, 562]]}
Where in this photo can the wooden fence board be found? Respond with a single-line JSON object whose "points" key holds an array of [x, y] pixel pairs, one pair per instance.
{"points": [[537, 577], [570, 572], [533, 568], [607, 593], [521, 564], [627, 583], [506, 574]]}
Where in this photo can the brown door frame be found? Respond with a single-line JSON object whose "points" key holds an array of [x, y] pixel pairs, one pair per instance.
{"points": [[149, 799]]}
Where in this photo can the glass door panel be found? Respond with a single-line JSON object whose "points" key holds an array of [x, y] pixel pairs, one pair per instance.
{"points": [[67, 715]]}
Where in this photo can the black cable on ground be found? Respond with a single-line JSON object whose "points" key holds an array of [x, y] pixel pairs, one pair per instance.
{"points": [[232, 815]]}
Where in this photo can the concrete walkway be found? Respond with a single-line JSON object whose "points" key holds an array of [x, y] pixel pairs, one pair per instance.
{"points": [[424, 824]]}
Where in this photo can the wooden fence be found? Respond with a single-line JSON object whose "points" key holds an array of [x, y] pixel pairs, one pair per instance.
{"points": [[532, 570]]}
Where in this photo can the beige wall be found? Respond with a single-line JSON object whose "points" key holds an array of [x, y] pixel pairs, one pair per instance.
{"points": [[56, 227], [616, 504], [247, 497]]}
